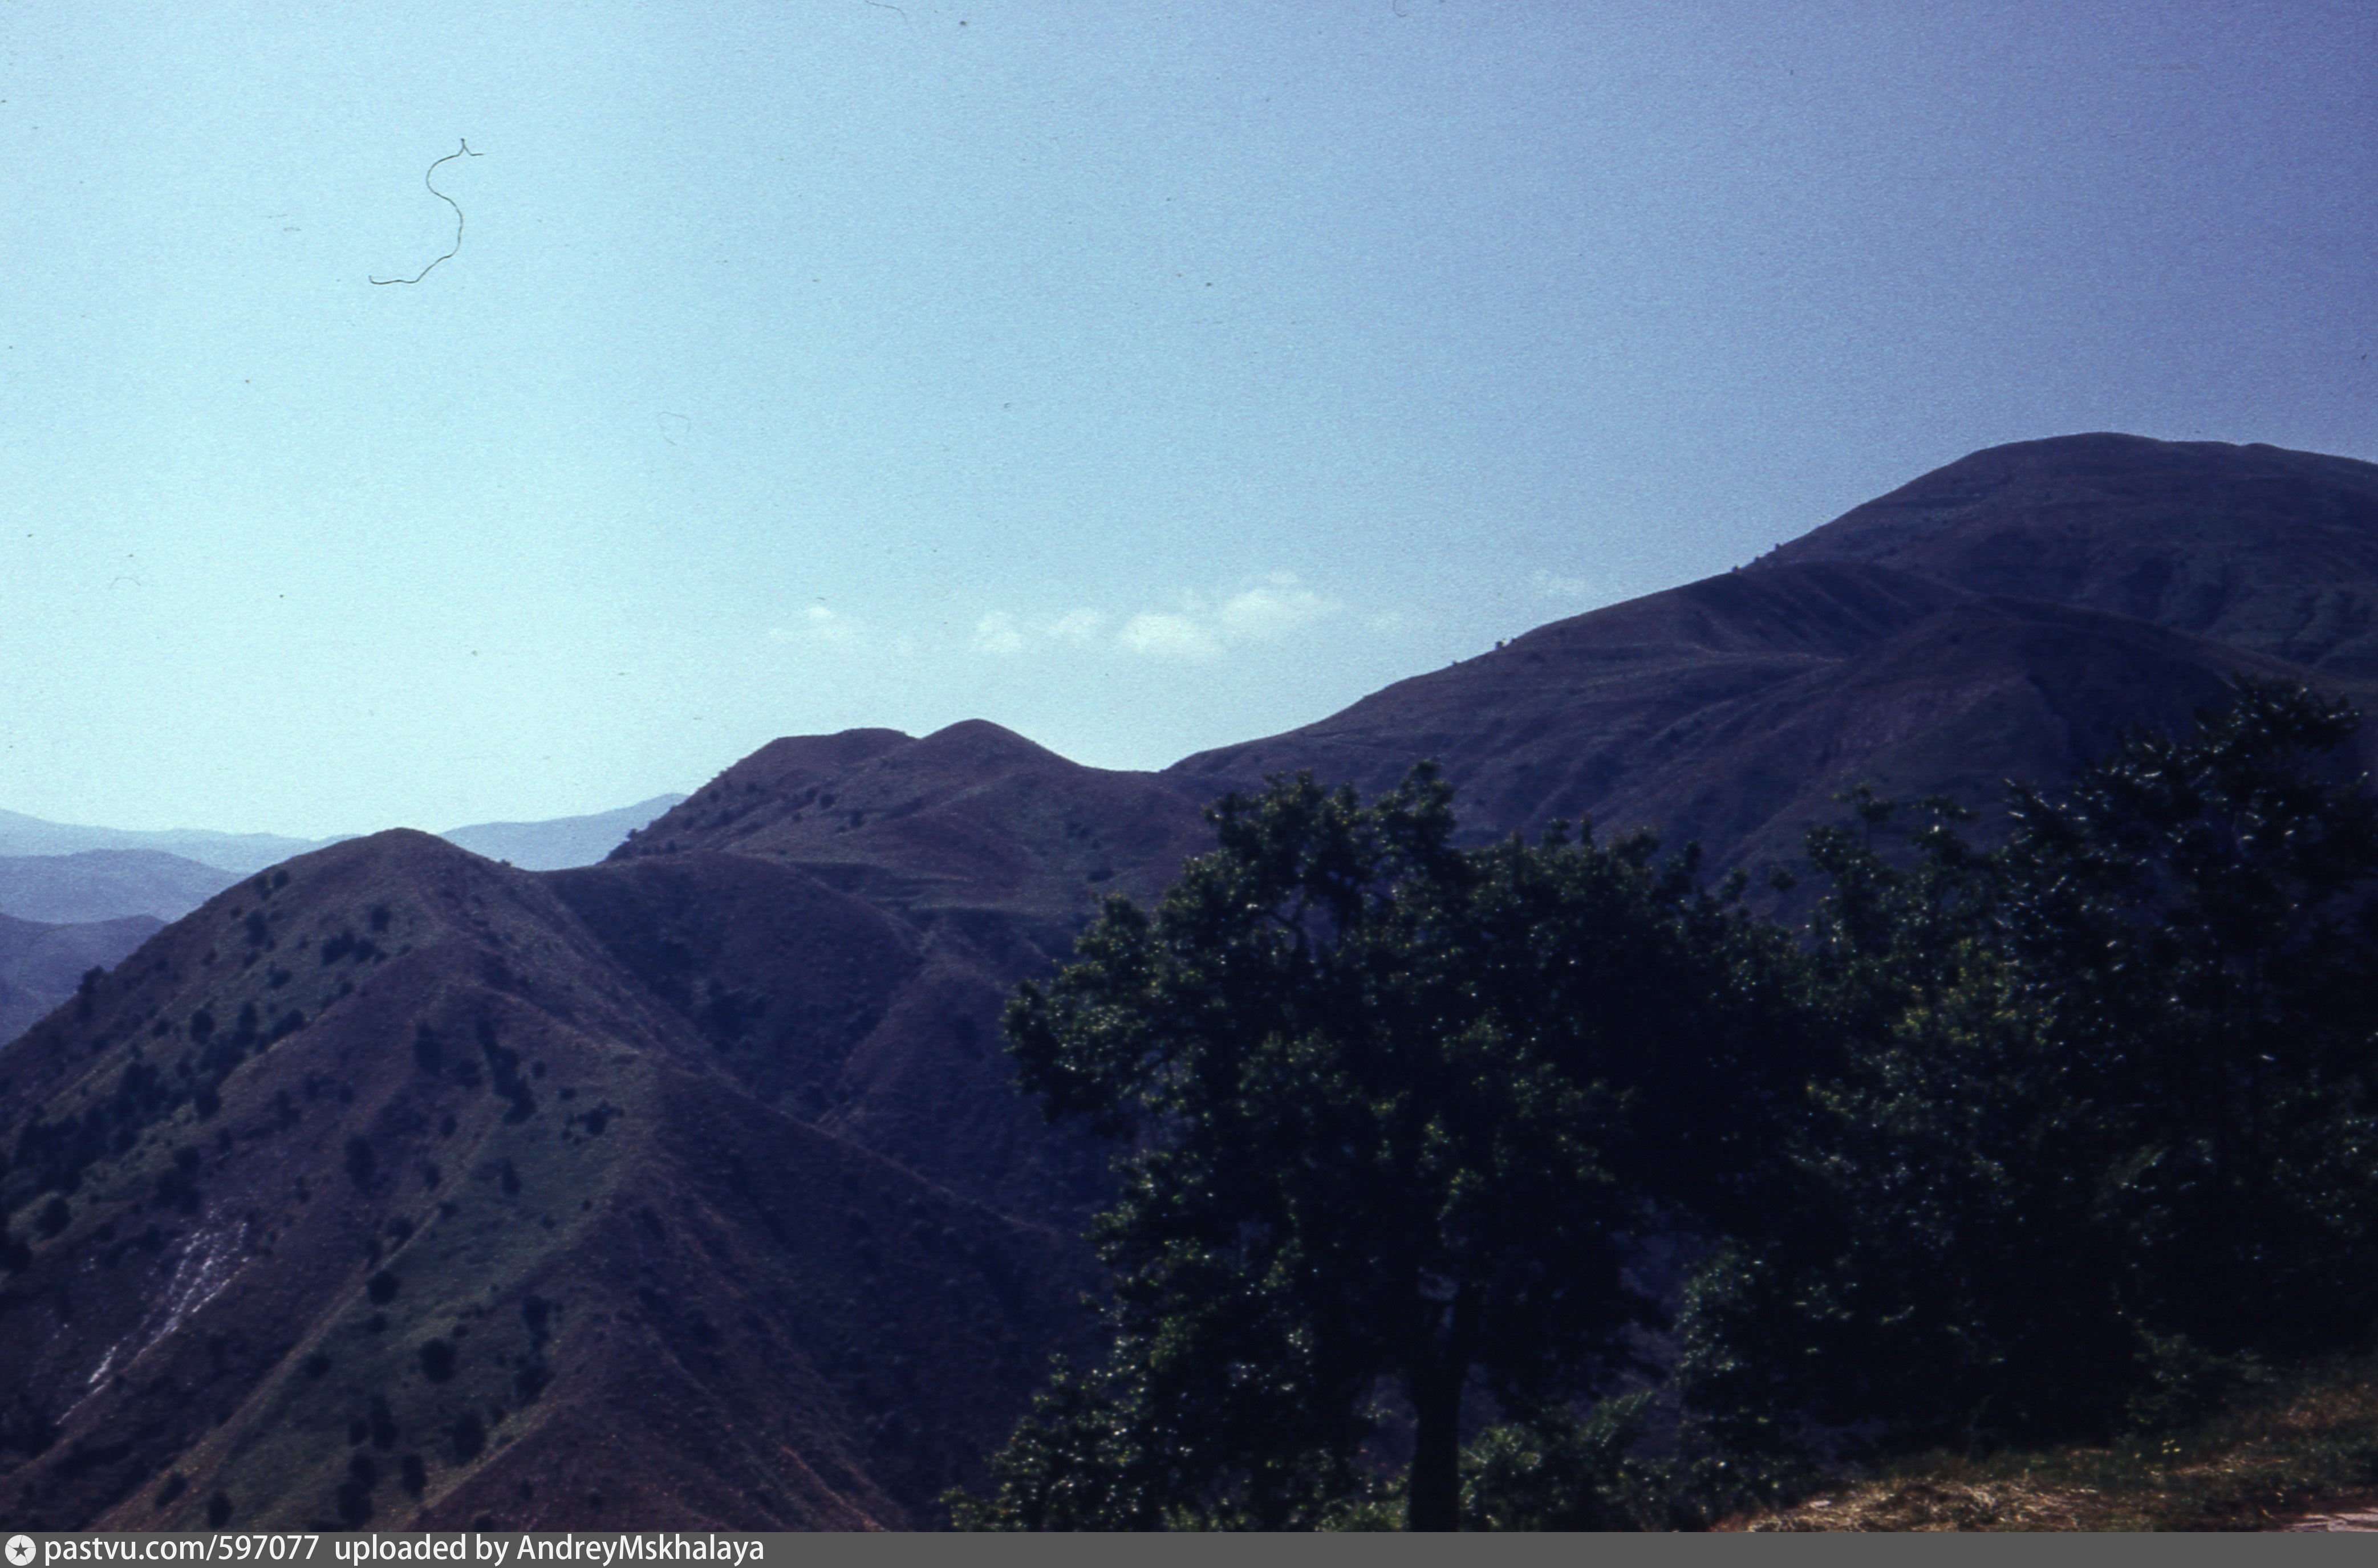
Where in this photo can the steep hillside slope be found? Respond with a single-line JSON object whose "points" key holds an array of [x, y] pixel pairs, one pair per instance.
{"points": [[2263, 548], [687, 1188], [375, 1190], [1990, 621]]}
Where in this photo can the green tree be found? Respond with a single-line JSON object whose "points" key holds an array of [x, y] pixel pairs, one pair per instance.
{"points": [[2105, 1131], [1391, 1112]]}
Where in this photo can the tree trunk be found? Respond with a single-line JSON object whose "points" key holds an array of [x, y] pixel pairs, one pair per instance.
{"points": [[1433, 1500]]}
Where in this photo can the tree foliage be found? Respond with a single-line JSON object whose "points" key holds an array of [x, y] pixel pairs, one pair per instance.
{"points": [[1395, 1112], [2106, 1134], [2047, 1140]]}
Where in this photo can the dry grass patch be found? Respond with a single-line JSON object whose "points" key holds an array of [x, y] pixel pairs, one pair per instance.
{"points": [[2308, 1449]]}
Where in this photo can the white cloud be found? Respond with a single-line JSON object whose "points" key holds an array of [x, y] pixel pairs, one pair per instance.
{"points": [[1570, 590], [998, 633], [1006, 634], [1077, 627], [817, 625], [1164, 636], [1272, 610]]}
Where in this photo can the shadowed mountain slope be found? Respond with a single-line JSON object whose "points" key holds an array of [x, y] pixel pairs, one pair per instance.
{"points": [[2267, 549], [1957, 634], [376, 1191], [971, 817], [845, 916]]}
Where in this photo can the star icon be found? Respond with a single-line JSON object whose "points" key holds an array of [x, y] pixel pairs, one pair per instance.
{"points": [[20, 1550]]}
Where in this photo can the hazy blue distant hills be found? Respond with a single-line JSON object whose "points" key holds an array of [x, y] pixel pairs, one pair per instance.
{"points": [[106, 884], [561, 843], [60, 872], [542, 845], [41, 963], [73, 896], [23, 836]]}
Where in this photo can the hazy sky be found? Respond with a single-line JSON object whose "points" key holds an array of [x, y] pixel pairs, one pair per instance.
{"points": [[1142, 376]]}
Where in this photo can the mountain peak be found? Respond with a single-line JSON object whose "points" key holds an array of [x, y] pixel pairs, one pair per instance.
{"points": [[979, 743], [2269, 549]]}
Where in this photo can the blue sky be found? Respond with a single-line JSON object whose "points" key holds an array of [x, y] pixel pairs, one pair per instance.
{"points": [[1140, 377]]}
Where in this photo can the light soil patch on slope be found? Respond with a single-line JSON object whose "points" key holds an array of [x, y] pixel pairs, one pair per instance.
{"points": [[2303, 1458]]}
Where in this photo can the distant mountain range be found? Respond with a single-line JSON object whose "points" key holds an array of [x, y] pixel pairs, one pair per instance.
{"points": [[237, 853], [106, 884], [537, 847], [561, 841], [399, 1186], [100, 901], [41, 965]]}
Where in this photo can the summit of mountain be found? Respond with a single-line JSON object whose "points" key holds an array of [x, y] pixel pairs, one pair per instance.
{"points": [[2006, 616], [972, 816], [2257, 546]]}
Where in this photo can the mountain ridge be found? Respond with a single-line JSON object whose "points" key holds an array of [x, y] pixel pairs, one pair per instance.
{"points": [[1856, 619]]}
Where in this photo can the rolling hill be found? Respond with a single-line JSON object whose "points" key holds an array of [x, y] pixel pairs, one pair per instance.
{"points": [[235, 853], [106, 884], [2004, 618]]}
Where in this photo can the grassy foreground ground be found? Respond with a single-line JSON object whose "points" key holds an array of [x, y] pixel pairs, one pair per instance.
{"points": [[2302, 1448]]}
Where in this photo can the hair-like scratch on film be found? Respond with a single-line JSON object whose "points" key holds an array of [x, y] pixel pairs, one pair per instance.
{"points": [[465, 148]]}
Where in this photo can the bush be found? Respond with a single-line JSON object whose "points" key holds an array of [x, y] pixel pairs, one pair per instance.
{"points": [[2097, 1080]]}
